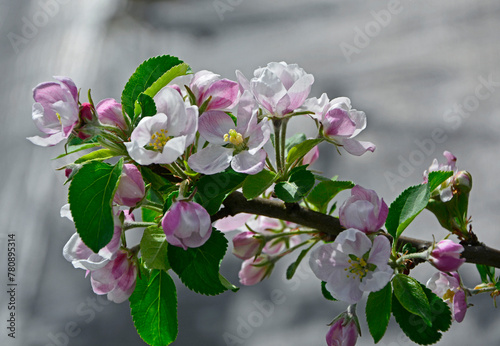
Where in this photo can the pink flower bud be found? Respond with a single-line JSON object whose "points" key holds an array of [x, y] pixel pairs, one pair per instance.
{"points": [[446, 256], [252, 273], [110, 112], [462, 181], [311, 156], [343, 332], [245, 245], [187, 225], [223, 93], [364, 210], [117, 279], [131, 188]]}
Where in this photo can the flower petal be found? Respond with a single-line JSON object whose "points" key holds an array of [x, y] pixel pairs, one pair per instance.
{"points": [[210, 160]]}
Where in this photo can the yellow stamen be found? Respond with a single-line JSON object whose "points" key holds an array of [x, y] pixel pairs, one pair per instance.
{"points": [[159, 139], [358, 267], [233, 137], [449, 295]]}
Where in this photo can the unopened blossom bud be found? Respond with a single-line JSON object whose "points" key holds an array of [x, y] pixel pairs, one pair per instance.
{"points": [[343, 331], [254, 271], [110, 112], [117, 279], [364, 210], [246, 245], [131, 188], [216, 93], [446, 256], [187, 225], [462, 182], [311, 156], [86, 115]]}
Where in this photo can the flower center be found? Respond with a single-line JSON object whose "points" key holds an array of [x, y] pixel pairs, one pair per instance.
{"points": [[359, 268], [159, 139], [449, 295], [233, 137]]}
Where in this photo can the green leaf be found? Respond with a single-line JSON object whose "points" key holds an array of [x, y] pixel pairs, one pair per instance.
{"points": [[144, 77], [487, 273], [198, 268], [437, 178], [412, 297], [326, 294], [90, 196], [292, 268], [255, 185], [296, 188], [167, 77], [298, 151], [76, 148], [147, 107], [406, 208], [296, 139], [415, 327], [213, 189], [378, 311], [325, 191], [153, 307], [154, 248], [98, 155], [158, 182]]}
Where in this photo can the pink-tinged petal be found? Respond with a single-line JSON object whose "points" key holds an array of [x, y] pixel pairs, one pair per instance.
{"points": [[300, 90], [70, 85], [224, 95], [245, 245], [380, 252], [344, 288], [213, 125], [109, 112], [357, 148], [376, 280], [459, 306], [359, 118], [131, 188], [47, 141], [259, 135], [210, 160], [356, 215], [315, 105], [125, 286], [232, 223], [268, 90], [251, 274], [80, 256], [311, 156], [336, 122], [321, 259], [245, 162], [246, 114], [342, 333], [353, 241], [243, 81], [174, 148]]}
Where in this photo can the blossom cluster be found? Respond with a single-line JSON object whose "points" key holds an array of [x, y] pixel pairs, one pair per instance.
{"points": [[188, 141]]}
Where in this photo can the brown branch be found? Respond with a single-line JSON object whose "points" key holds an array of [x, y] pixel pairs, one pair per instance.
{"points": [[236, 203]]}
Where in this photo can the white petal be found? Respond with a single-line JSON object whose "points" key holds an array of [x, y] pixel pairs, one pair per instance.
{"points": [[245, 162], [210, 160]]}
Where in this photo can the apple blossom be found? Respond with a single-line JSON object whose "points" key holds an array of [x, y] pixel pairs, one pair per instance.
{"points": [[131, 188], [218, 94], [117, 278], [279, 88], [255, 270], [364, 210], [311, 156], [445, 256], [187, 225], [109, 112], [445, 190], [55, 111], [340, 123], [448, 287], [164, 137], [239, 146], [352, 264]]}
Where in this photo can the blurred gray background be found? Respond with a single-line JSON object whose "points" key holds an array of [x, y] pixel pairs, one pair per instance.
{"points": [[425, 72]]}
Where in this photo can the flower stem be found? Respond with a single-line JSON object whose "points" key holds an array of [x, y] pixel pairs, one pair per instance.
{"points": [[277, 144], [132, 224]]}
